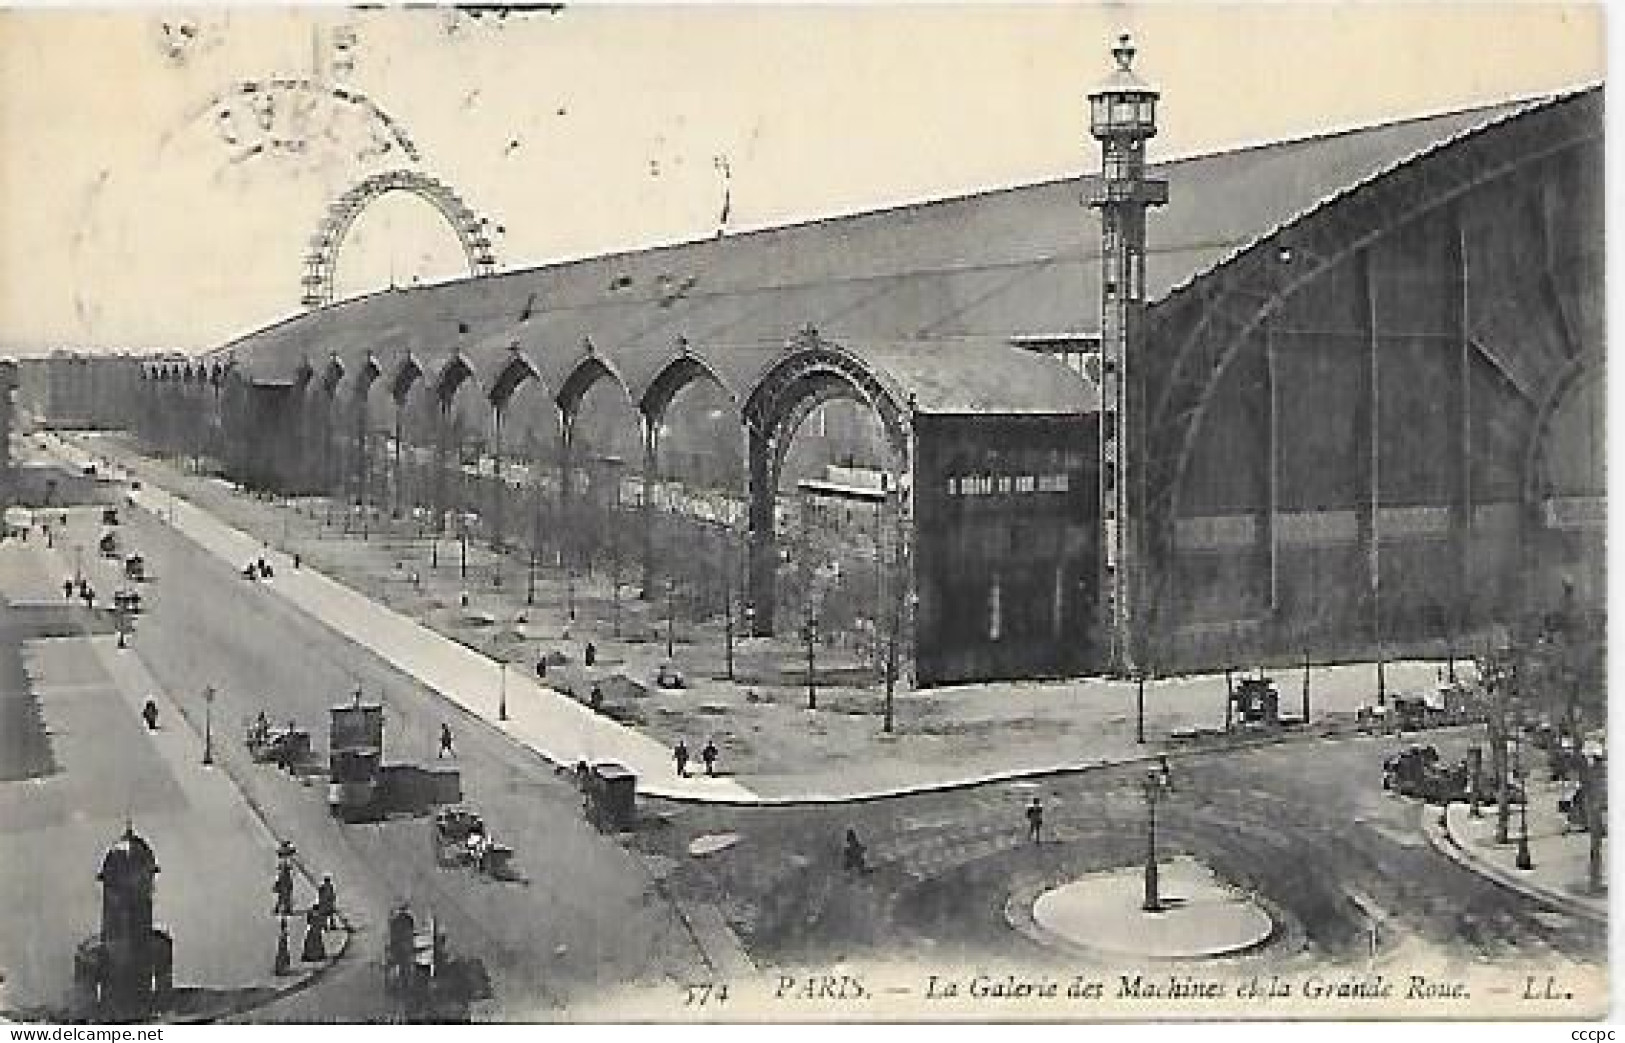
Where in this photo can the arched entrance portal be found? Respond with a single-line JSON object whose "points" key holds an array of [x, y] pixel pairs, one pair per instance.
{"points": [[799, 386]]}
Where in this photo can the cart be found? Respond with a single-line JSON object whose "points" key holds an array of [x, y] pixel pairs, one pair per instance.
{"points": [[611, 792]]}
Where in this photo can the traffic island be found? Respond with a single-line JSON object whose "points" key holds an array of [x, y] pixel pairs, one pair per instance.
{"points": [[1200, 916]]}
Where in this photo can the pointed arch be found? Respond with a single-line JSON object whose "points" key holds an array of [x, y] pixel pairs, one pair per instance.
{"points": [[589, 370], [517, 368]]}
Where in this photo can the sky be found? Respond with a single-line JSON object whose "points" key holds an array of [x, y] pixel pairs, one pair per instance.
{"points": [[148, 201]]}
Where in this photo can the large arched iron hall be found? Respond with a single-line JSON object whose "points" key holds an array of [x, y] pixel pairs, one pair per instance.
{"points": [[1370, 417]]}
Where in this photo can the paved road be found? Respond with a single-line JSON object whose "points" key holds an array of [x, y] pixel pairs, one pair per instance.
{"points": [[542, 944], [1307, 826]]}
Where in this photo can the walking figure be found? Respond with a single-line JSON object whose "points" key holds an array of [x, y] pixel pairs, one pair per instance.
{"points": [[591, 657], [283, 889], [709, 756], [67, 589], [445, 742], [1166, 773], [327, 903], [315, 947], [852, 856], [541, 668], [680, 755], [1035, 821], [597, 697], [149, 713]]}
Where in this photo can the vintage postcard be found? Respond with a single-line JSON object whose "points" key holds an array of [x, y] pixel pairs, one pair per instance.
{"points": [[581, 513]]}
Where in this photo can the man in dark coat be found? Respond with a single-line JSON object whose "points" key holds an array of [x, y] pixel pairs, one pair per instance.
{"points": [[283, 889], [709, 756], [1035, 821], [327, 902]]}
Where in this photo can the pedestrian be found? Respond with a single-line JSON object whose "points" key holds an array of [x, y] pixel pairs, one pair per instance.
{"points": [[680, 755], [597, 697], [327, 902], [541, 668], [709, 756], [591, 657], [315, 947], [67, 589], [283, 889], [445, 742], [296, 560], [1035, 821], [852, 855], [149, 713]]}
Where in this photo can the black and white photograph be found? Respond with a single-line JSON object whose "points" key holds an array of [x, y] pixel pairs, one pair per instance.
{"points": [[803, 513]]}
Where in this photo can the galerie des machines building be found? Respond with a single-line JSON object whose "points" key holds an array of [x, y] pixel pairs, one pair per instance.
{"points": [[1338, 396]]}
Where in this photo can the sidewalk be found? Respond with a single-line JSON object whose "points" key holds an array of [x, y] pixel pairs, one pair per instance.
{"points": [[777, 750], [216, 857], [1561, 859]]}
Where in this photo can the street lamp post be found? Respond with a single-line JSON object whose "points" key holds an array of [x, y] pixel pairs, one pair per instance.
{"points": [[670, 618], [1153, 790], [1139, 707], [1306, 687], [812, 643], [1524, 860], [727, 604], [502, 690], [208, 725]]}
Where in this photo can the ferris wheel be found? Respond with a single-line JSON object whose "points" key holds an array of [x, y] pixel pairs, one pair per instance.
{"points": [[470, 228]]}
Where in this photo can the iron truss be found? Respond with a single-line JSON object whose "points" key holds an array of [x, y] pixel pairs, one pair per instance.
{"points": [[1222, 308]]}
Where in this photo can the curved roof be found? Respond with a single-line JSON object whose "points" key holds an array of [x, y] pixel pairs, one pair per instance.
{"points": [[920, 284], [975, 376]]}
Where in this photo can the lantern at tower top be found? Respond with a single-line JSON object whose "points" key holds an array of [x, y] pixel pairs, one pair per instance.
{"points": [[1124, 106]]}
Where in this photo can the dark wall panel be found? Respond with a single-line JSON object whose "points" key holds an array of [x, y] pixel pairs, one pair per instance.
{"points": [[1418, 425], [1229, 471], [1323, 421]]}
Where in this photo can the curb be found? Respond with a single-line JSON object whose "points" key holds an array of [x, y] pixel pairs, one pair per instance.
{"points": [[1442, 840]]}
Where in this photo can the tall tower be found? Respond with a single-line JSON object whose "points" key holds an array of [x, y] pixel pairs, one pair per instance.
{"points": [[1122, 116]]}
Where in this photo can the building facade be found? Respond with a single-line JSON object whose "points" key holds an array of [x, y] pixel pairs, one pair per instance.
{"points": [[1372, 367]]}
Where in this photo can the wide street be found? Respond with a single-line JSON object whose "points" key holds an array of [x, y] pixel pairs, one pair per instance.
{"points": [[541, 943], [1341, 865], [1306, 825]]}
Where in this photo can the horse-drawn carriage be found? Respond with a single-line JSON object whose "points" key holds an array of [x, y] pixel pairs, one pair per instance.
{"points": [[287, 747], [1417, 771], [461, 838]]}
